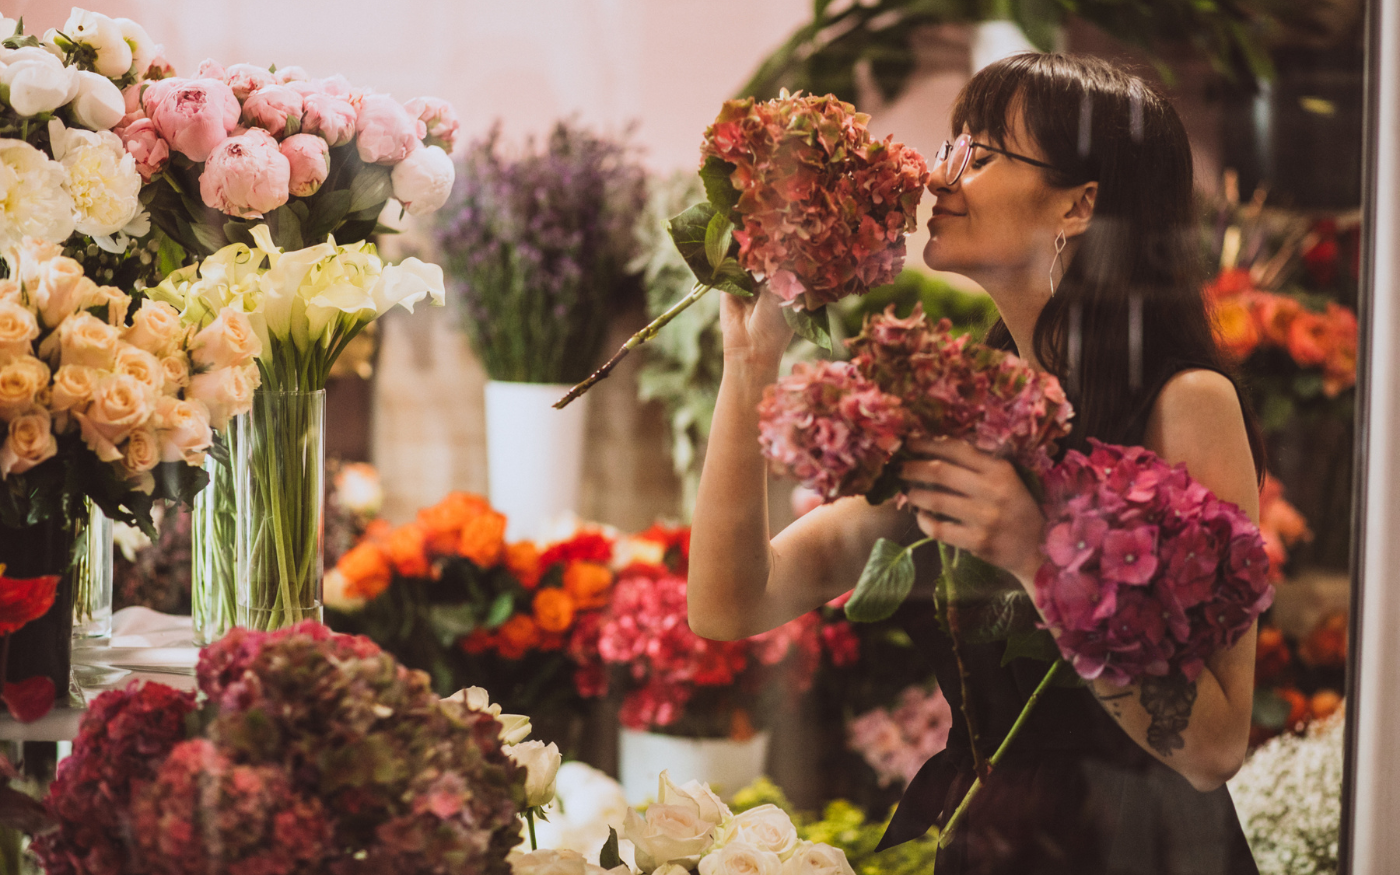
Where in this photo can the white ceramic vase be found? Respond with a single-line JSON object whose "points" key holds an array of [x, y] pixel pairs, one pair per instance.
{"points": [[534, 454], [727, 766]]}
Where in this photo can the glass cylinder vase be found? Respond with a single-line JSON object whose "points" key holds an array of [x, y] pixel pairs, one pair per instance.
{"points": [[279, 454], [213, 583], [92, 576]]}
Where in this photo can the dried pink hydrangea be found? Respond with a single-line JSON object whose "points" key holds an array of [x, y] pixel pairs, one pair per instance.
{"points": [[825, 208], [1147, 572], [830, 427]]}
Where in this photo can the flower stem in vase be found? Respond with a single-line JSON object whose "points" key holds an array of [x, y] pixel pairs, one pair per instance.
{"points": [[214, 587], [946, 836], [636, 340], [279, 472], [949, 561]]}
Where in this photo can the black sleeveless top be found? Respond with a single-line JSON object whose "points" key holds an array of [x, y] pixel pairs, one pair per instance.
{"points": [[1074, 794]]}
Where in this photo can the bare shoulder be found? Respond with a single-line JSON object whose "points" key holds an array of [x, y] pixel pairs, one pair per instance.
{"points": [[1197, 420]]}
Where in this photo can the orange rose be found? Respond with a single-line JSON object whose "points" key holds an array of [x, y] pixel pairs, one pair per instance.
{"points": [[588, 583], [1228, 283], [1340, 367], [1308, 339], [1326, 646], [517, 636], [1285, 519], [523, 560], [479, 641], [554, 610], [367, 571], [1276, 314], [1235, 329], [483, 539], [1271, 655], [1297, 708], [1324, 703], [407, 547], [378, 530], [443, 522]]}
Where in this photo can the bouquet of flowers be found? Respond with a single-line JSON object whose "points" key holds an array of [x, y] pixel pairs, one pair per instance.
{"points": [[896, 742], [231, 148], [798, 196], [311, 752], [540, 243], [676, 681]]}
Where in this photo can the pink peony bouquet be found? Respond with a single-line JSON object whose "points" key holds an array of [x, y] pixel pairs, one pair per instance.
{"points": [[311, 157], [1148, 573], [896, 742], [801, 198], [312, 752]]}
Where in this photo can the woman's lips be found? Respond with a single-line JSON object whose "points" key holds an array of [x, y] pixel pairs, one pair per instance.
{"points": [[942, 212]]}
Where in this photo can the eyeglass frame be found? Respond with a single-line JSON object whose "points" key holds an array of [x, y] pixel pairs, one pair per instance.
{"points": [[946, 151]]}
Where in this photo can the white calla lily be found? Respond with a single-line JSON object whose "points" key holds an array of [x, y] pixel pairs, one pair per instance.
{"points": [[407, 283]]}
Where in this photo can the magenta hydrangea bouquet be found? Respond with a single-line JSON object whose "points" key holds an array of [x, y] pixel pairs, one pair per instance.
{"points": [[311, 752], [798, 196]]}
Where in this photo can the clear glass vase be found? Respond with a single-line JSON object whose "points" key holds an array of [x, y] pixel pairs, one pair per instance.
{"points": [[213, 583], [278, 452], [92, 575]]}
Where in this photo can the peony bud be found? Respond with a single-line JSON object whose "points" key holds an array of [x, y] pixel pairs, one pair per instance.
{"points": [[37, 81], [385, 132], [113, 57], [192, 115], [99, 104], [423, 181], [310, 160], [275, 108], [246, 176]]}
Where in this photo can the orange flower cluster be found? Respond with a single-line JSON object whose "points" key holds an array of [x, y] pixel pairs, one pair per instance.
{"points": [[1246, 318], [1281, 525], [1325, 647]]}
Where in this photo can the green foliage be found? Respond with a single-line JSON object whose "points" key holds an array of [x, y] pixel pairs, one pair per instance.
{"points": [[970, 312], [885, 582]]}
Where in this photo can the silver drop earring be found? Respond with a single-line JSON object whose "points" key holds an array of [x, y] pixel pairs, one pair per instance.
{"points": [[1059, 247]]}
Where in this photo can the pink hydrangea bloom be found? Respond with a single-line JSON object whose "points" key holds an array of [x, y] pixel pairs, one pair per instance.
{"points": [[246, 176], [1147, 572], [824, 206], [897, 742], [192, 115]]}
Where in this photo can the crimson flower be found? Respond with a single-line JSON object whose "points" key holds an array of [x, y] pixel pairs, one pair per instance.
{"points": [[24, 599]]}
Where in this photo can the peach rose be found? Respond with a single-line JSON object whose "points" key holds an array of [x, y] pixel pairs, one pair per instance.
{"points": [[17, 328], [114, 299], [156, 327], [30, 441], [226, 392], [176, 370], [22, 378], [72, 388], [226, 342], [136, 362], [183, 427], [142, 450], [34, 253], [56, 294], [10, 291], [83, 339], [120, 403]]}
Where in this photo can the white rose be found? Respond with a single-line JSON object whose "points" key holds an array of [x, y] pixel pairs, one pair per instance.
{"points": [[156, 327], [144, 50], [58, 294], [767, 827], [407, 283], [227, 392], [668, 834], [120, 404], [590, 796], [227, 341], [18, 328], [817, 859], [423, 180], [541, 764], [36, 203], [136, 362], [515, 728], [102, 179], [707, 804], [83, 339], [29, 442], [104, 36], [183, 427], [99, 104], [740, 858], [547, 862], [37, 81], [22, 378]]}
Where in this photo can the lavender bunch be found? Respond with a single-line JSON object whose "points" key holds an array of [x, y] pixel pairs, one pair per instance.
{"points": [[538, 245]]}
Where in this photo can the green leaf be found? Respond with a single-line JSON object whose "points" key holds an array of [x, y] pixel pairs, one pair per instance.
{"points": [[176, 481], [884, 583], [1270, 709], [719, 233], [369, 187], [719, 190], [731, 278], [689, 231], [210, 238], [286, 228], [451, 622], [325, 213], [501, 609], [609, 858], [813, 325]]}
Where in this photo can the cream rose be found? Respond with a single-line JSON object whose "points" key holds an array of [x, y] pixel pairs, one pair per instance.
{"points": [[227, 341], [226, 392], [817, 859], [120, 403], [554, 862], [155, 328], [183, 427], [740, 858], [709, 806], [83, 339], [136, 362], [30, 441], [114, 299], [541, 763], [668, 834], [142, 450], [767, 827], [176, 369], [18, 328], [72, 388], [515, 728], [58, 294], [22, 378], [10, 291]]}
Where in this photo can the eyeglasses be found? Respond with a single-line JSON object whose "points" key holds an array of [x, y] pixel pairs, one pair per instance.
{"points": [[958, 153]]}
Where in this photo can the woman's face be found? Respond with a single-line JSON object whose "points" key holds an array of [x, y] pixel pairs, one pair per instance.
{"points": [[1000, 218]]}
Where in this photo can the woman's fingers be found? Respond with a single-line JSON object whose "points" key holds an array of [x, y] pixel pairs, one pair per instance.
{"points": [[966, 511], [955, 451], [945, 474]]}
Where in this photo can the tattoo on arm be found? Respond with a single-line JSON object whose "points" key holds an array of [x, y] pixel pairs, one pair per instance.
{"points": [[1110, 701], [1169, 701]]}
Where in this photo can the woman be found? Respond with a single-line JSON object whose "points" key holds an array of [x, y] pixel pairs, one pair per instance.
{"points": [[1068, 197]]}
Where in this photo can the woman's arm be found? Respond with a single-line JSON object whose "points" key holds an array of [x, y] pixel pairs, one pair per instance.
{"points": [[740, 584], [1200, 729]]}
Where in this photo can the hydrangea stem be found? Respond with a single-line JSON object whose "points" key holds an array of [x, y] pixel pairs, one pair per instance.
{"points": [[636, 340], [946, 836], [948, 557]]}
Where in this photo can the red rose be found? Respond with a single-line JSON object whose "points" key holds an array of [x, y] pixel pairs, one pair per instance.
{"points": [[30, 699], [24, 599]]}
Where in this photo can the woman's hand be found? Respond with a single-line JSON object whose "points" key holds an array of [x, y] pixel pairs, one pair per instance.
{"points": [[976, 502], [754, 328]]}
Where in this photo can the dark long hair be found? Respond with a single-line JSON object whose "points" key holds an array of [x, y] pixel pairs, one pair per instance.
{"points": [[1130, 310]]}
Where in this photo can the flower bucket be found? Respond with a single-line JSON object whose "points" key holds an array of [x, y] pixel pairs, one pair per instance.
{"points": [[725, 764], [534, 455]]}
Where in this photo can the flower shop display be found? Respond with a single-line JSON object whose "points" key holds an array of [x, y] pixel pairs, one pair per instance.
{"points": [[1298, 680], [295, 311], [538, 242], [305, 751], [799, 197], [1288, 795], [896, 742]]}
